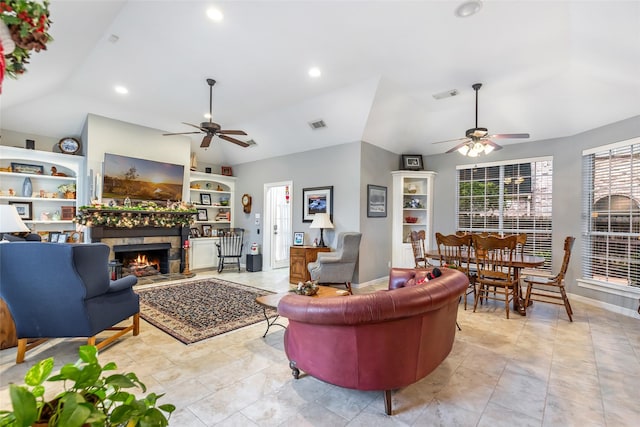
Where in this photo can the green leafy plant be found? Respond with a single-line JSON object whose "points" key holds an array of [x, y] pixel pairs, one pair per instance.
{"points": [[89, 397], [67, 188]]}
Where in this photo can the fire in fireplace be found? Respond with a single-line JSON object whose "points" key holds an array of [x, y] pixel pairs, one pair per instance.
{"points": [[143, 260]]}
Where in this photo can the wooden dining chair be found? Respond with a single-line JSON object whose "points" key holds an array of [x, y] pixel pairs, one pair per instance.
{"points": [[419, 252], [454, 251], [494, 262], [551, 289]]}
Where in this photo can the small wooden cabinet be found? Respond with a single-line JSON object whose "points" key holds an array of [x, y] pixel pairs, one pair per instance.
{"points": [[299, 257]]}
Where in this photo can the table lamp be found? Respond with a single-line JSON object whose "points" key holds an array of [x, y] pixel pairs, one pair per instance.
{"points": [[10, 221], [321, 221]]}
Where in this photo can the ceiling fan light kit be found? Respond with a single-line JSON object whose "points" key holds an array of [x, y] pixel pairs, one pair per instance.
{"points": [[476, 140]]}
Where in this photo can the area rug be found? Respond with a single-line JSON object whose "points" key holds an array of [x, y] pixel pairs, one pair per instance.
{"points": [[194, 311]]}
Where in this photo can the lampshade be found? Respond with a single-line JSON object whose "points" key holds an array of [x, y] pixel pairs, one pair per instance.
{"points": [[321, 220], [10, 221]]}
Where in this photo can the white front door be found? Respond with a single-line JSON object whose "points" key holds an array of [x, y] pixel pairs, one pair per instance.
{"points": [[277, 224]]}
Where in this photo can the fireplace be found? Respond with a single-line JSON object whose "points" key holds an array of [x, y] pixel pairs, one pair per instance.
{"points": [[142, 236], [143, 260]]}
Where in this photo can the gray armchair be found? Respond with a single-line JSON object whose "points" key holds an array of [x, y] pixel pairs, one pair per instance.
{"points": [[63, 290], [337, 267]]}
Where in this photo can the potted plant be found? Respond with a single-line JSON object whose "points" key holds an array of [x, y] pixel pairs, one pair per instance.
{"points": [[68, 190], [90, 398]]}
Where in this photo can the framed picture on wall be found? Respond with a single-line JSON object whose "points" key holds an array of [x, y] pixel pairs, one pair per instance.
{"points": [[298, 238], [205, 199], [316, 200], [376, 201]]}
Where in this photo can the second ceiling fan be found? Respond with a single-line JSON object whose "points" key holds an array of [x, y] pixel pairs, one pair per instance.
{"points": [[477, 140], [212, 129]]}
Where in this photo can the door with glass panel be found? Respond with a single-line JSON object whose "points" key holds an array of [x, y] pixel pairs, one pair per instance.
{"points": [[277, 224]]}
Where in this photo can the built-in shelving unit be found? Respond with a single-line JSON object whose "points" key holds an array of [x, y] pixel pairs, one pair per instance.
{"points": [[214, 195], [412, 211], [42, 209]]}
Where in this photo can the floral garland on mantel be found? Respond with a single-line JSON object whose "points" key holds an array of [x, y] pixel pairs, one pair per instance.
{"points": [[143, 215]]}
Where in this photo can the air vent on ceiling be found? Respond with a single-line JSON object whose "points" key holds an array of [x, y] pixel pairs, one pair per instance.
{"points": [[317, 124], [446, 94]]}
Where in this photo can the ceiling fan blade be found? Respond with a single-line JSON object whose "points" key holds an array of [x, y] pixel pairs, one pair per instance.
{"points": [[235, 141], [462, 144], [510, 135], [179, 133], [493, 144], [451, 140], [233, 132], [195, 126], [206, 141]]}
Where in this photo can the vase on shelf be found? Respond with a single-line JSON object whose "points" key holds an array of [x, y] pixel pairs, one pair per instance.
{"points": [[27, 188]]}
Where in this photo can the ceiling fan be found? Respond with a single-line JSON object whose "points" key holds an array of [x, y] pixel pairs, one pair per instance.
{"points": [[212, 129], [476, 140]]}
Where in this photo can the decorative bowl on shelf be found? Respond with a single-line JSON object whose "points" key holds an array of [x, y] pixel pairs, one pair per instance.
{"points": [[410, 219]]}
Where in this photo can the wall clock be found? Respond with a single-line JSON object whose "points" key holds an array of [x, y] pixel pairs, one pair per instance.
{"points": [[246, 203], [69, 145]]}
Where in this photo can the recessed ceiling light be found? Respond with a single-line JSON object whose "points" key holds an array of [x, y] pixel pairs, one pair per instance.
{"points": [[468, 8], [121, 90], [215, 14], [315, 72]]}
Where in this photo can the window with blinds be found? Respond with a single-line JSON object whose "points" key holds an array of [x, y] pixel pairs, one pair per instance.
{"points": [[508, 198], [611, 213]]}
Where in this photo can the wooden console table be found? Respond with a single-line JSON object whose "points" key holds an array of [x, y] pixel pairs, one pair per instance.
{"points": [[299, 257]]}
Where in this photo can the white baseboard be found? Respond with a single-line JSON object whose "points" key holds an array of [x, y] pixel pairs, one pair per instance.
{"points": [[609, 307]]}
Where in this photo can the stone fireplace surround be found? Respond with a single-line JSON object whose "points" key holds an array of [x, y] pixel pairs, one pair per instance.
{"points": [[175, 236]]}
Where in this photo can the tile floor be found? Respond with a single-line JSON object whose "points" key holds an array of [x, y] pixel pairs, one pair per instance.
{"points": [[538, 370]]}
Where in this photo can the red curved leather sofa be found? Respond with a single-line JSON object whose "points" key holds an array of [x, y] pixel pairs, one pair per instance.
{"points": [[381, 341]]}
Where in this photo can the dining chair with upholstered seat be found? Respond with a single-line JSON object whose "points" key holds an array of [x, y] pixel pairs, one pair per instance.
{"points": [[494, 261], [551, 289], [454, 251], [418, 247]]}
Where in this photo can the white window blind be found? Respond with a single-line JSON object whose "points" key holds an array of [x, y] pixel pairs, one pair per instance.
{"points": [[509, 198], [611, 214]]}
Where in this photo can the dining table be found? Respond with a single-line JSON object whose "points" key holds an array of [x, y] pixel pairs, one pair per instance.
{"points": [[519, 262]]}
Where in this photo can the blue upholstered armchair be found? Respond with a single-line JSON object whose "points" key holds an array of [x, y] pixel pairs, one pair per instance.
{"points": [[337, 267], [56, 290]]}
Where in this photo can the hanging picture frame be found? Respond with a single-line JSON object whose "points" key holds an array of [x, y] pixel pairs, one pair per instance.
{"points": [[316, 200], [376, 201]]}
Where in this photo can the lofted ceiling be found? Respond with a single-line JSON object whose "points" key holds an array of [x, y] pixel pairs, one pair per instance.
{"points": [[549, 68]]}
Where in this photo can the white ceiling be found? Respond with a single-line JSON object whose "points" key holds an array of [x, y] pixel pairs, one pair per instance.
{"points": [[549, 68]]}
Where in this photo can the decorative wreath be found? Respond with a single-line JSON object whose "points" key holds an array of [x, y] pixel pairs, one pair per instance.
{"points": [[23, 28]]}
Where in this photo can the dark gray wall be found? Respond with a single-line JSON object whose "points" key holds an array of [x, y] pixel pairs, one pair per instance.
{"points": [[567, 193]]}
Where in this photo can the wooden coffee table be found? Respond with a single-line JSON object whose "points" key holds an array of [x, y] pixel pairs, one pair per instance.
{"points": [[272, 300]]}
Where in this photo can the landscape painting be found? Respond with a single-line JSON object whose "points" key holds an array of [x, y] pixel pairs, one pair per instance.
{"points": [[140, 179]]}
